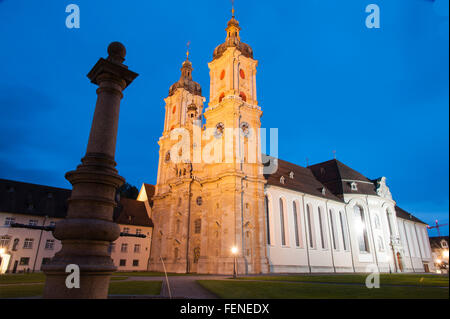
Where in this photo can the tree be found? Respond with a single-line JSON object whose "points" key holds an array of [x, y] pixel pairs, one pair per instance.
{"points": [[128, 191]]}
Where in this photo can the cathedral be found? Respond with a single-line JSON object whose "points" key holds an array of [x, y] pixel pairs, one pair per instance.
{"points": [[218, 207]]}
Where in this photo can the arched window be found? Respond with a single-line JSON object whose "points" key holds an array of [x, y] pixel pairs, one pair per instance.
{"points": [[267, 219], [243, 96], [322, 228], [343, 229], [333, 230], [297, 236], [175, 253], [222, 75], [282, 223], [198, 226], [361, 229], [310, 225], [221, 97]]}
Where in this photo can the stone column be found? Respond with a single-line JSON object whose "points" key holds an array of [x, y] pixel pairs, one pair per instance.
{"points": [[89, 228]]}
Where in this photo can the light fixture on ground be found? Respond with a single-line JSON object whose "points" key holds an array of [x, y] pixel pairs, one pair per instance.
{"points": [[234, 251]]}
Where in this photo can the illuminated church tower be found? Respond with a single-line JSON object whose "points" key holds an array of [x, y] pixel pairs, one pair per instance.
{"points": [[213, 199]]}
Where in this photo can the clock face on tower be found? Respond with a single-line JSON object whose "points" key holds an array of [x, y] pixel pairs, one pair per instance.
{"points": [[220, 127], [245, 127], [167, 157]]}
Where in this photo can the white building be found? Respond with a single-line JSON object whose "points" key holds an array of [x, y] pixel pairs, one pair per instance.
{"points": [[329, 218], [23, 249]]}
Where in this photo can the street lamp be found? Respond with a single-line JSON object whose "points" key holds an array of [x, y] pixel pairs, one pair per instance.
{"points": [[2, 251], [234, 251], [445, 254]]}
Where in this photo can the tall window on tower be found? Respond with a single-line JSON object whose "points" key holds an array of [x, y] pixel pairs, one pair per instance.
{"points": [[242, 74], [197, 226], [361, 229]]}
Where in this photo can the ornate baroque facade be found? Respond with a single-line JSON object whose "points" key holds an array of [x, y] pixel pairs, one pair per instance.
{"points": [[211, 193], [202, 208]]}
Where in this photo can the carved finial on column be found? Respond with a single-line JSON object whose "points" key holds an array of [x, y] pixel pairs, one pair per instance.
{"points": [[117, 52]]}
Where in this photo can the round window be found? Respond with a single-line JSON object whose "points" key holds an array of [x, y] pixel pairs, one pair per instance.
{"points": [[199, 201]]}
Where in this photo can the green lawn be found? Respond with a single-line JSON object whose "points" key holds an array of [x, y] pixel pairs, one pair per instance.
{"points": [[388, 279], [280, 290], [115, 288], [21, 278], [21, 291], [148, 274], [35, 278]]}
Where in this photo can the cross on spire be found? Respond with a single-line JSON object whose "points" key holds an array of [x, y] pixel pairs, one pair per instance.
{"points": [[187, 52], [232, 8]]}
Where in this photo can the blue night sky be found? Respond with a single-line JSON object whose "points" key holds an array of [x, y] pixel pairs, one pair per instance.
{"points": [[379, 97]]}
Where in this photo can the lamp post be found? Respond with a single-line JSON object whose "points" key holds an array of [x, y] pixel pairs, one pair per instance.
{"points": [[234, 251]]}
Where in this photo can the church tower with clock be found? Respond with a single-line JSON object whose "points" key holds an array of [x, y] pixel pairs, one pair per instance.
{"points": [[212, 201]]}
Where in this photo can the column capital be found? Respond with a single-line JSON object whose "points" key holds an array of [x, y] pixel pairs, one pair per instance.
{"points": [[112, 68]]}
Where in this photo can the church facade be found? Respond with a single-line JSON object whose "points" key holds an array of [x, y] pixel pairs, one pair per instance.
{"points": [[214, 193]]}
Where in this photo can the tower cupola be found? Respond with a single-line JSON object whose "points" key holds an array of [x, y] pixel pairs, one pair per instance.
{"points": [[233, 40], [185, 80]]}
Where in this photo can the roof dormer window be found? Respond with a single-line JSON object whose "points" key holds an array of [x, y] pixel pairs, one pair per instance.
{"points": [[354, 186], [324, 191], [291, 175], [282, 180]]}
